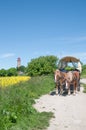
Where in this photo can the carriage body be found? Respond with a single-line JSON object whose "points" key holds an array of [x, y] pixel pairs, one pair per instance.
{"points": [[69, 63]]}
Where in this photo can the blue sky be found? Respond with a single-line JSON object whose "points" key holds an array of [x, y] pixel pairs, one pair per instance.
{"points": [[33, 28]]}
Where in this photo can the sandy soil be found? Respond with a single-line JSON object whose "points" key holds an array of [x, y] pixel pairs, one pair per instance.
{"points": [[69, 111]]}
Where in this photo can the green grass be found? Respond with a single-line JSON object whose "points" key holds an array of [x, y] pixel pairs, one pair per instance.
{"points": [[83, 76], [84, 85], [16, 110]]}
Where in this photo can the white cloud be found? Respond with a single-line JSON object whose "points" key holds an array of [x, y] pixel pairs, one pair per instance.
{"points": [[83, 38], [7, 55], [71, 39]]}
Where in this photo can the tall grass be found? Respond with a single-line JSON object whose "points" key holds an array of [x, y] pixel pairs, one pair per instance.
{"points": [[16, 110], [84, 86]]}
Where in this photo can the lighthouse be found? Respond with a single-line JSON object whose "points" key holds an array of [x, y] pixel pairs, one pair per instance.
{"points": [[18, 62]]}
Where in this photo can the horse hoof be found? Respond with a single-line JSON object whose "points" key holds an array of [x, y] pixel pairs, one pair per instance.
{"points": [[56, 93], [69, 93], [74, 94]]}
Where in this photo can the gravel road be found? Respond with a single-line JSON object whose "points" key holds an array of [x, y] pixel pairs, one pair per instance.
{"points": [[69, 111]]}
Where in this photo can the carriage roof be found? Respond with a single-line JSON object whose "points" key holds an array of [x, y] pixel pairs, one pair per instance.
{"points": [[69, 59]]}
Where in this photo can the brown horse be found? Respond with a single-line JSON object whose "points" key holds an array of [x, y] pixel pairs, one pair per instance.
{"points": [[60, 81], [77, 74], [72, 78]]}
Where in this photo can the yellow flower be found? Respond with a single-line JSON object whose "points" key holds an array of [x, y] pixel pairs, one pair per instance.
{"points": [[7, 81]]}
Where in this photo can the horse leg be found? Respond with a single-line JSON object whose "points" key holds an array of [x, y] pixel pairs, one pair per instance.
{"points": [[61, 90], [57, 89], [75, 86], [68, 88], [78, 85]]}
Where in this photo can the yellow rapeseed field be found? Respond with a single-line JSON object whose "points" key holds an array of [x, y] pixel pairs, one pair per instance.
{"points": [[7, 81]]}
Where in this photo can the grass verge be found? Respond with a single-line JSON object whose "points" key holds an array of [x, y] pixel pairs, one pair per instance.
{"points": [[84, 85], [16, 110]]}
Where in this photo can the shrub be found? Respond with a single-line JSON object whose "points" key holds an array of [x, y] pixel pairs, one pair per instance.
{"points": [[42, 65]]}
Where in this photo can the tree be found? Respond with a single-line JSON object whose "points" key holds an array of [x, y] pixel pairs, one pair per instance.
{"points": [[42, 65], [3, 72], [21, 68], [12, 72]]}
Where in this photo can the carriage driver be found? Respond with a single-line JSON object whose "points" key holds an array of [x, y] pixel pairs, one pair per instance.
{"points": [[79, 67]]}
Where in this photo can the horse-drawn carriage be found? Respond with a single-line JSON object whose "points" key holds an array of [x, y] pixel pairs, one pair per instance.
{"points": [[67, 76]]}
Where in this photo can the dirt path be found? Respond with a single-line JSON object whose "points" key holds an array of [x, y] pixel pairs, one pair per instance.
{"points": [[69, 111]]}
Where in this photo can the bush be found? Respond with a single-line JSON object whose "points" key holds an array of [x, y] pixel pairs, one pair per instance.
{"points": [[42, 65]]}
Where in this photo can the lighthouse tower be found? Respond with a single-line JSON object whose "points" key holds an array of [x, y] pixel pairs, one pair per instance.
{"points": [[18, 62]]}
